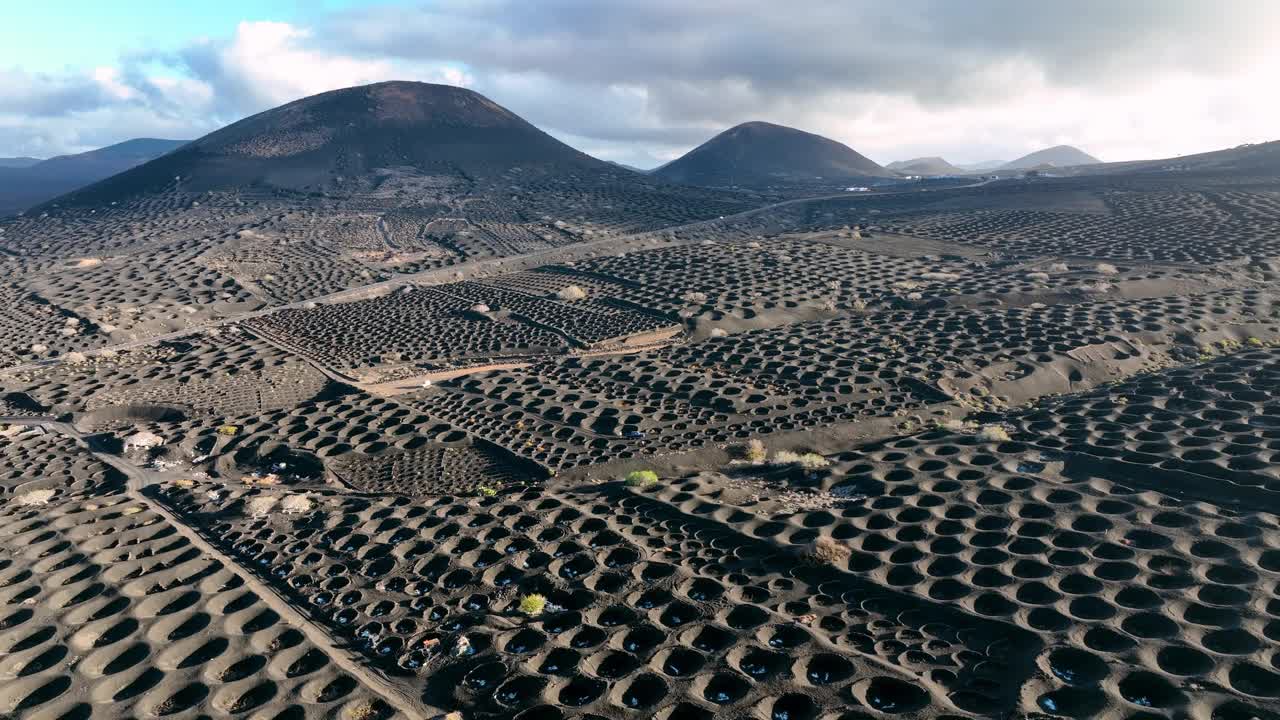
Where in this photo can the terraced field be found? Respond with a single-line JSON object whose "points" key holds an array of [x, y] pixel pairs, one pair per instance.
{"points": [[547, 446]]}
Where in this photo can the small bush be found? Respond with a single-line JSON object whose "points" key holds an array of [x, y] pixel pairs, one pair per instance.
{"points": [[571, 293], [1038, 276], [533, 605], [486, 491], [825, 551], [807, 461], [367, 710], [813, 461], [228, 430], [755, 451], [993, 433], [1106, 269], [785, 457], [641, 479]]}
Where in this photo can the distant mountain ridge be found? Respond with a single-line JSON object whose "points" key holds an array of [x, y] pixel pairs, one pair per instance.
{"points": [[22, 186], [1250, 157], [1058, 156], [925, 166], [761, 153], [18, 162], [632, 168]]}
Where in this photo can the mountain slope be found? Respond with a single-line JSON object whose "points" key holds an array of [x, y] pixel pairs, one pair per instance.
{"points": [[1058, 156], [343, 141], [924, 166], [759, 153], [1249, 158], [23, 187], [18, 162]]}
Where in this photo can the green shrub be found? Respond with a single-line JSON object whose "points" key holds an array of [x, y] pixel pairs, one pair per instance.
{"points": [[641, 479], [533, 605]]}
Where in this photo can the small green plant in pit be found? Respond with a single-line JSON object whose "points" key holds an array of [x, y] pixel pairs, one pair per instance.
{"points": [[755, 452], [1254, 342], [641, 479], [486, 491], [533, 605], [228, 430]]}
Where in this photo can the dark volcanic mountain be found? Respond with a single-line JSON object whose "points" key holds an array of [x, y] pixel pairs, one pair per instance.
{"points": [[925, 166], [1058, 156], [344, 140], [760, 153], [22, 186]]}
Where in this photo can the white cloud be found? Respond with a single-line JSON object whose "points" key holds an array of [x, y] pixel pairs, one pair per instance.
{"points": [[270, 63], [108, 80], [641, 82]]}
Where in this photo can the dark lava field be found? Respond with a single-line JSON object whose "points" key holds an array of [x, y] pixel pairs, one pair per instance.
{"points": [[384, 403]]}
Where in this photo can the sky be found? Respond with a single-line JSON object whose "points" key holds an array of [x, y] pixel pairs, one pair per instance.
{"points": [[642, 81]]}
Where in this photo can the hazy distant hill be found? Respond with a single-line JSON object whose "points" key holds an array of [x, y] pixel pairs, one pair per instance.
{"points": [[760, 153], [925, 166], [18, 162], [981, 166], [22, 187], [111, 159], [632, 168], [1059, 156]]}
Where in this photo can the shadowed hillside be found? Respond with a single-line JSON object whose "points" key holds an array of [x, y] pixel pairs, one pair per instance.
{"points": [[339, 140], [925, 166], [760, 153]]}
